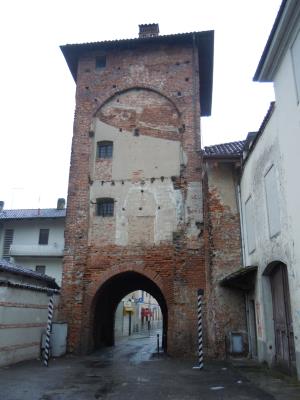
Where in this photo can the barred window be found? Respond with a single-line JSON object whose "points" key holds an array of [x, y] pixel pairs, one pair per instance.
{"points": [[105, 207], [105, 149]]}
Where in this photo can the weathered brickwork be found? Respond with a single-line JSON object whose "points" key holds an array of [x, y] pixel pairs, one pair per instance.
{"points": [[226, 311], [146, 111], [147, 100]]}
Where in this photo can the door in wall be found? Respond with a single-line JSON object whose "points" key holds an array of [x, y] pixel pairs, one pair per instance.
{"points": [[283, 327]]}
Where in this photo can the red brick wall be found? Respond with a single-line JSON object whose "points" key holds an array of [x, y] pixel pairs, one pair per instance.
{"points": [[176, 266], [226, 310]]}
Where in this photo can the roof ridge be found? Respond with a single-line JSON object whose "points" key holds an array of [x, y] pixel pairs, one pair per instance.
{"points": [[225, 143], [136, 38]]}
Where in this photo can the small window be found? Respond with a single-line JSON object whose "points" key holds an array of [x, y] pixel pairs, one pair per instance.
{"points": [[44, 236], [105, 149], [41, 269], [105, 207], [100, 62]]}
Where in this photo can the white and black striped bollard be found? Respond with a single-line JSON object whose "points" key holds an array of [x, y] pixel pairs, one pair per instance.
{"points": [[48, 332], [200, 333]]}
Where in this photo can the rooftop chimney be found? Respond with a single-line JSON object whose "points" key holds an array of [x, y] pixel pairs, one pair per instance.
{"points": [[1, 205], [61, 204], [148, 30]]}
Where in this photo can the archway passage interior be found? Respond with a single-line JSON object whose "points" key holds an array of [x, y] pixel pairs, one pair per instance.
{"points": [[108, 297]]}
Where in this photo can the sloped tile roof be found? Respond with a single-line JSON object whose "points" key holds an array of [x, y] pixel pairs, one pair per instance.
{"points": [[8, 266], [32, 213], [231, 149], [203, 40]]}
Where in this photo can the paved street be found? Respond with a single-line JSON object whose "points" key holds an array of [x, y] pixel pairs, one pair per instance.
{"points": [[132, 371]]}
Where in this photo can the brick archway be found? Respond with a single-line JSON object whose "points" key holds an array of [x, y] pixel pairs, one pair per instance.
{"points": [[111, 289], [124, 89]]}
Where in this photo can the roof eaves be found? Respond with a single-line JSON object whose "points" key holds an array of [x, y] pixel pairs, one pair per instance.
{"points": [[279, 37], [204, 40], [15, 269], [260, 131], [20, 214], [224, 150], [242, 279], [233, 157]]}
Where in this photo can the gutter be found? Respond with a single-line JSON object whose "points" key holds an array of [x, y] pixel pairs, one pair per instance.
{"points": [[239, 198]]}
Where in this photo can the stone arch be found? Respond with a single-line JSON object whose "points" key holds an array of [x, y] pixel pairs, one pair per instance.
{"points": [[110, 291], [271, 266], [142, 110]]}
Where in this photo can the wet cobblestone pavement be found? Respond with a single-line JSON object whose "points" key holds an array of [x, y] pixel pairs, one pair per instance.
{"points": [[131, 371]]}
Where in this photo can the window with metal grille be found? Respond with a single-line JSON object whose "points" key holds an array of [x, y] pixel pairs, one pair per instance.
{"points": [[100, 62], [7, 242], [44, 236], [105, 149], [105, 207], [40, 268]]}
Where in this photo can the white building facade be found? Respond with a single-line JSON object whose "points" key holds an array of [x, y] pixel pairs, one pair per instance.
{"points": [[34, 239], [270, 195]]}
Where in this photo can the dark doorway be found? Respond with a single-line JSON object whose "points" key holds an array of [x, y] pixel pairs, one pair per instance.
{"points": [[109, 296], [252, 328], [283, 326]]}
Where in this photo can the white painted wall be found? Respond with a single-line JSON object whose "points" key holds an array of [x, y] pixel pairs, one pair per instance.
{"points": [[23, 316], [288, 129], [278, 146], [53, 266]]}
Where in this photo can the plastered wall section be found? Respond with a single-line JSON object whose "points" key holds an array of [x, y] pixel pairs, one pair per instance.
{"points": [[280, 247], [23, 319], [288, 127], [147, 207]]}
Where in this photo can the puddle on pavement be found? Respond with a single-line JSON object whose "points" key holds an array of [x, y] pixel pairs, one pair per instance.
{"points": [[104, 390], [97, 364]]}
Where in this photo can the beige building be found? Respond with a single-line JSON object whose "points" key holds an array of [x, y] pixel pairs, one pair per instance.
{"points": [[137, 313]]}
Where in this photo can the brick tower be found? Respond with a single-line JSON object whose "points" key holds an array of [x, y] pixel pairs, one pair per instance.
{"points": [[135, 214]]}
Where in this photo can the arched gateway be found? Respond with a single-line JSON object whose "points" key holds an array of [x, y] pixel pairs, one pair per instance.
{"points": [[108, 296]]}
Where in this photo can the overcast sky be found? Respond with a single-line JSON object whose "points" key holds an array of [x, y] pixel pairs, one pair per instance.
{"points": [[37, 90]]}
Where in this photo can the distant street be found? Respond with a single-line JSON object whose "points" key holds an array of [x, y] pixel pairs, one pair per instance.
{"points": [[132, 371]]}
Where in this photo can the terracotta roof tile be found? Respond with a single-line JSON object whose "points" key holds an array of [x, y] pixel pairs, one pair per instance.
{"points": [[231, 149]]}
